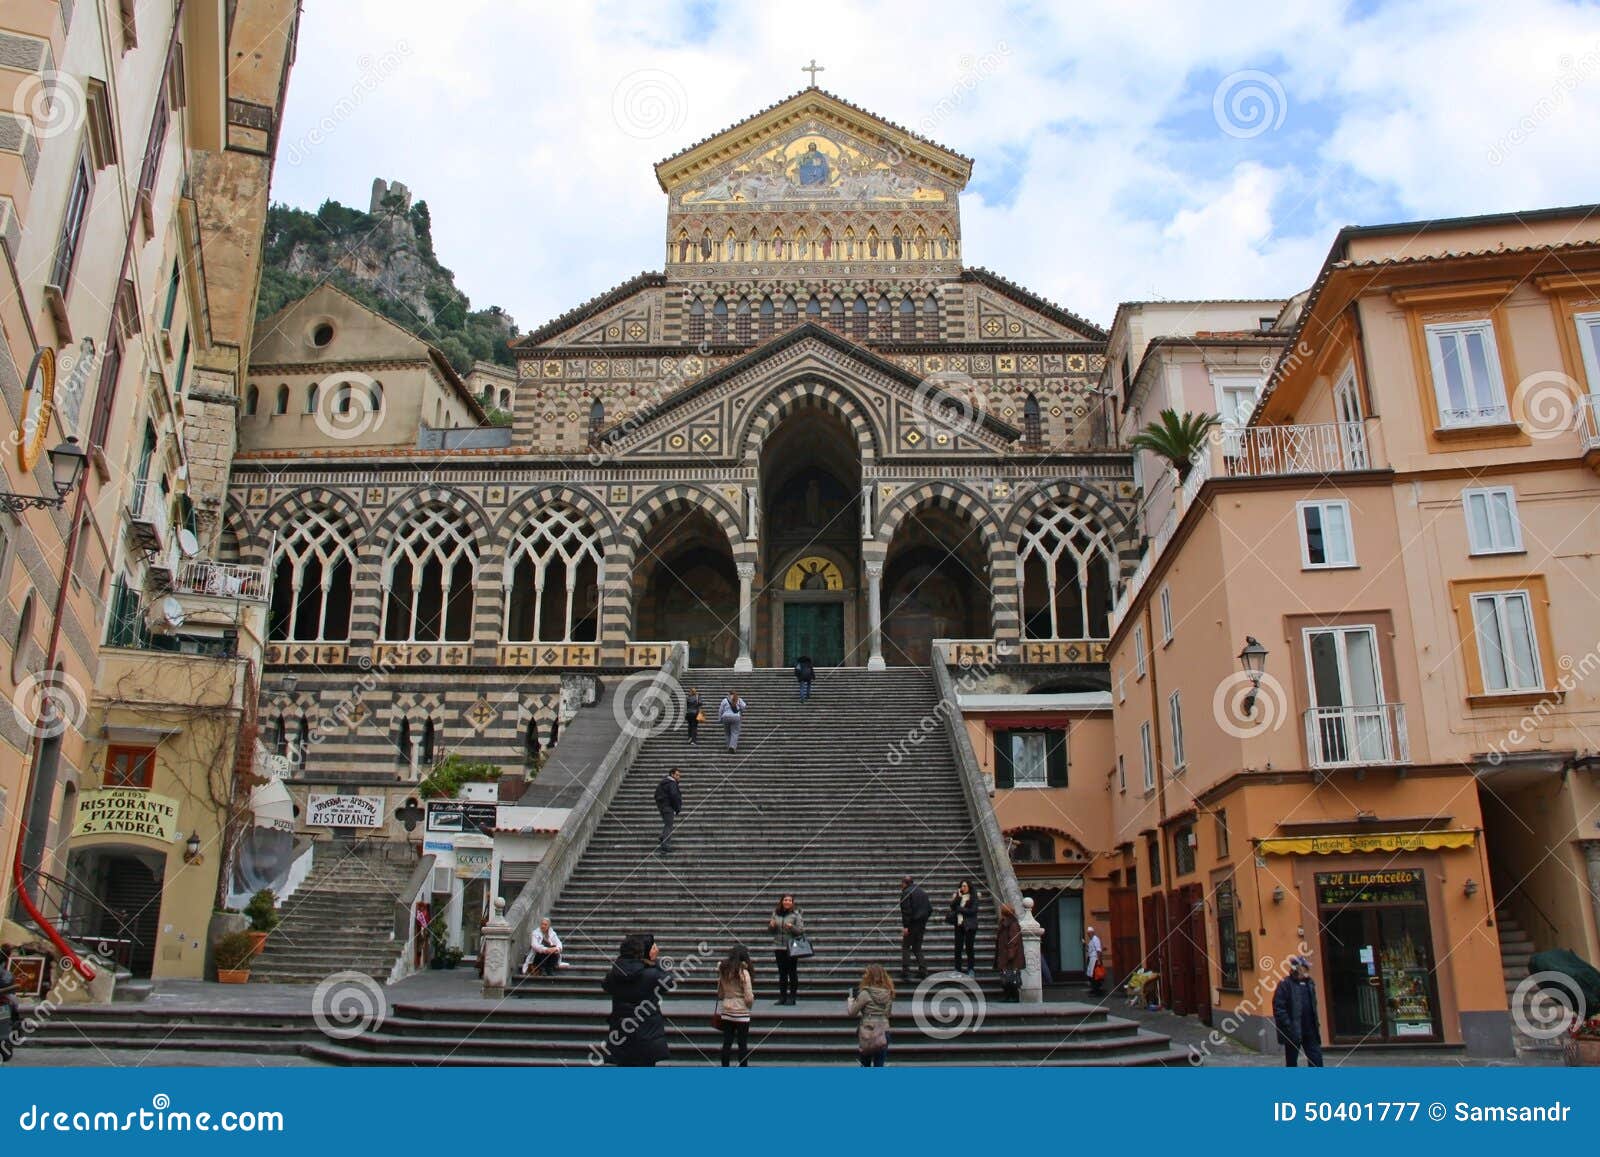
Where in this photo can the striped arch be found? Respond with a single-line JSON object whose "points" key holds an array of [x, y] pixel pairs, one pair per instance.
{"points": [[1074, 848], [644, 514], [808, 393], [945, 495], [1094, 502], [406, 505], [528, 503], [286, 509]]}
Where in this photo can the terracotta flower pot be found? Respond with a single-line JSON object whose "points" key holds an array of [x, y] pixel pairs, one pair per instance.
{"points": [[233, 976], [1582, 1050], [259, 939]]}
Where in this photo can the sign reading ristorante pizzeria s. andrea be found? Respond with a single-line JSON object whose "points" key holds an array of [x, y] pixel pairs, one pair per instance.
{"points": [[123, 811]]}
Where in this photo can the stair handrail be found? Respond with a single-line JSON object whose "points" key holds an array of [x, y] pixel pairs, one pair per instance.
{"points": [[1518, 896], [991, 841], [538, 895], [417, 891], [69, 900]]}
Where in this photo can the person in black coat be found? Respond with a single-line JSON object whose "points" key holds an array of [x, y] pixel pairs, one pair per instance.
{"points": [[636, 984], [806, 674], [1294, 1013], [915, 909], [669, 802], [963, 919]]}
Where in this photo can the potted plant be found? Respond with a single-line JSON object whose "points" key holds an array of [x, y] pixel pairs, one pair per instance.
{"points": [[1583, 1042], [232, 954], [263, 913], [1179, 438]]}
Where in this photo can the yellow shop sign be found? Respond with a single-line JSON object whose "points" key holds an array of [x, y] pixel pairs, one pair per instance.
{"points": [[124, 811], [1367, 842]]}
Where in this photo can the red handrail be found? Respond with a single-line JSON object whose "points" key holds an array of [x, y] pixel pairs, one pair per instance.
{"points": [[79, 965]]}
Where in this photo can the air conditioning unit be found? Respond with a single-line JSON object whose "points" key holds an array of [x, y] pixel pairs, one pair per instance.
{"points": [[443, 881]]}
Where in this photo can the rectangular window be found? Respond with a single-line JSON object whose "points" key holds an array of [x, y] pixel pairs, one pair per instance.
{"points": [[1227, 937], [1492, 526], [1221, 816], [130, 766], [1122, 687], [1175, 711], [1030, 758], [1122, 773], [1138, 651], [1236, 398], [1147, 752], [1027, 759], [1152, 848], [1507, 648], [1166, 614], [105, 397], [125, 625], [1325, 539], [72, 224], [153, 147], [1589, 343], [1466, 373], [183, 365], [172, 299], [1183, 850]]}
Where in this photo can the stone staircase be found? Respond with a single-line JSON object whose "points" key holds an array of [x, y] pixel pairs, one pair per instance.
{"points": [[1516, 950], [340, 919]]}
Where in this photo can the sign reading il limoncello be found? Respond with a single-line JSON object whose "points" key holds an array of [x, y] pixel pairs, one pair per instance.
{"points": [[124, 811]]}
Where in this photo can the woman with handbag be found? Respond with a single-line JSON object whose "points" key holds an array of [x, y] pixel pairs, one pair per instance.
{"points": [[692, 716], [736, 996], [1009, 959], [873, 1002], [963, 917], [788, 926]]}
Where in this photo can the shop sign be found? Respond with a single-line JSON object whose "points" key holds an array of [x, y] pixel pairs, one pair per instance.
{"points": [[473, 863], [462, 816], [344, 811], [127, 811], [438, 846], [1381, 886], [1367, 842]]}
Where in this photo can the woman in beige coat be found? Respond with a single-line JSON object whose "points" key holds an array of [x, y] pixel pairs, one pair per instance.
{"points": [[736, 996], [873, 1002]]}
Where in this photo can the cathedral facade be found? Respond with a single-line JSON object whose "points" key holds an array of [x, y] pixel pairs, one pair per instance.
{"points": [[817, 432]]}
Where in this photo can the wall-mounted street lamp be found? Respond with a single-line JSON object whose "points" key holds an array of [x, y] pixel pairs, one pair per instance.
{"points": [[66, 468], [1470, 888], [1254, 661], [1278, 894], [191, 849]]}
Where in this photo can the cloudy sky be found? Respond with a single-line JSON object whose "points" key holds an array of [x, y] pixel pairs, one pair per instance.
{"points": [[1122, 151]]}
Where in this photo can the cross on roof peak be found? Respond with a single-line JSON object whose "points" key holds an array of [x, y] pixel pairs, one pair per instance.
{"points": [[813, 68]]}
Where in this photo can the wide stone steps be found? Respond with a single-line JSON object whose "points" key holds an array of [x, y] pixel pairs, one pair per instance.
{"points": [[340, 919]]}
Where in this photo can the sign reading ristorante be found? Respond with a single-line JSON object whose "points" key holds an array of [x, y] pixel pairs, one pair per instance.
{"points": [[344, 811], [125, 811]]}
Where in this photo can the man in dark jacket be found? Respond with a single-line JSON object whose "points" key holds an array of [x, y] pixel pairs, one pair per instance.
{"points": [[1294, 1012], [669, 802], [805, 673], [915, 909], [636, 985]]}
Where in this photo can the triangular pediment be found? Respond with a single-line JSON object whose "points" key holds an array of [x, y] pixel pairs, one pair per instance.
{"points": [[901, 415], [807, 146]]}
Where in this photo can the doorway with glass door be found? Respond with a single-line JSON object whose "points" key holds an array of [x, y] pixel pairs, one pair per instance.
{"points": [[1378, 945], [1349, 721]]}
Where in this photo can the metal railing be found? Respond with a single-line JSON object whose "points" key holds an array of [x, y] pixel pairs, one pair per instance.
{"points": [[1359, 736], [148, 505], [1589, 421], [84, 919], [227, 580], [1314, 448]]}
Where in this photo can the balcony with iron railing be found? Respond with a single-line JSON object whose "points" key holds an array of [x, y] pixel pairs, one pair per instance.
{"points": [[223, 580], [1589, 422], [148, 522], [1360, 736], [1309, 448]]}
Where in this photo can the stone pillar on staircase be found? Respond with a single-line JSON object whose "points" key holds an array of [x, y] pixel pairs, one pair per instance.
{"points": [[1032, 936], [495, 945], [875, 616], [747, 574]]}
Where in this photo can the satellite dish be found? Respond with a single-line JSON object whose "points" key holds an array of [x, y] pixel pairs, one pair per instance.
{"points": [[188, 543], [172, 612]]}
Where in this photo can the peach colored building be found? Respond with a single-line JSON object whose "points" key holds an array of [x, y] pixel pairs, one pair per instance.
{"points": [[1407, 526]]}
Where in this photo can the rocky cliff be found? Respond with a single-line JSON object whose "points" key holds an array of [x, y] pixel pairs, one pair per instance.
{"points": [[384, 258]]}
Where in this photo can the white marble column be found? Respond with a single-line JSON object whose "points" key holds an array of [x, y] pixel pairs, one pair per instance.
{"points": [[747, 574], [1032, 935], [495, 945], [875, 616]]}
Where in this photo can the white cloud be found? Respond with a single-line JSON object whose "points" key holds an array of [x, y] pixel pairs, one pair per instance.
{"points": [[500, 113]]}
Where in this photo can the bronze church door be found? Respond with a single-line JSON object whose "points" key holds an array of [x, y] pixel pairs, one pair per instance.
{"points": [[815, 629]]}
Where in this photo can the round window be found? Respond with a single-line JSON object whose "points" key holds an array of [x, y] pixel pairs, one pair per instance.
{"points": [[322, 334]]}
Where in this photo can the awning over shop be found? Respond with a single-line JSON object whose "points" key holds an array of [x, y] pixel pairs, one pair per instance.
{"points": [[273, 806], [1367, 842]]}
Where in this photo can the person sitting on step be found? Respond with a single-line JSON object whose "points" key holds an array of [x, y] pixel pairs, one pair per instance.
{"points": [[544, 953]]}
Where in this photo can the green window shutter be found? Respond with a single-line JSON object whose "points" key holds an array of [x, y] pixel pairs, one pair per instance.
{"points": [[1003, 775], [1055, 753]]}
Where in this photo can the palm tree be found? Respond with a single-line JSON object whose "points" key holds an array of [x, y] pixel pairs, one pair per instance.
{"points": [[1176, 437]]}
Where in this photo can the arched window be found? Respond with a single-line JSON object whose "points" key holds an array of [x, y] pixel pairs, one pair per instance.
{"points": [[311, 398], [282, 404], [1032, 431], [22, 644], [1067, 559], [930, 316], [813, 310], [791, 311], [597, 420], [885, 317], [908, 318], [719, 321], [402, 744], [252, 401], [552, 580], [428, 579], [343, 398], [858, 318], [697, 320], [741, 321], [312, 567], [375, 396], [836, 313], [505, 400], [768, 317]]}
